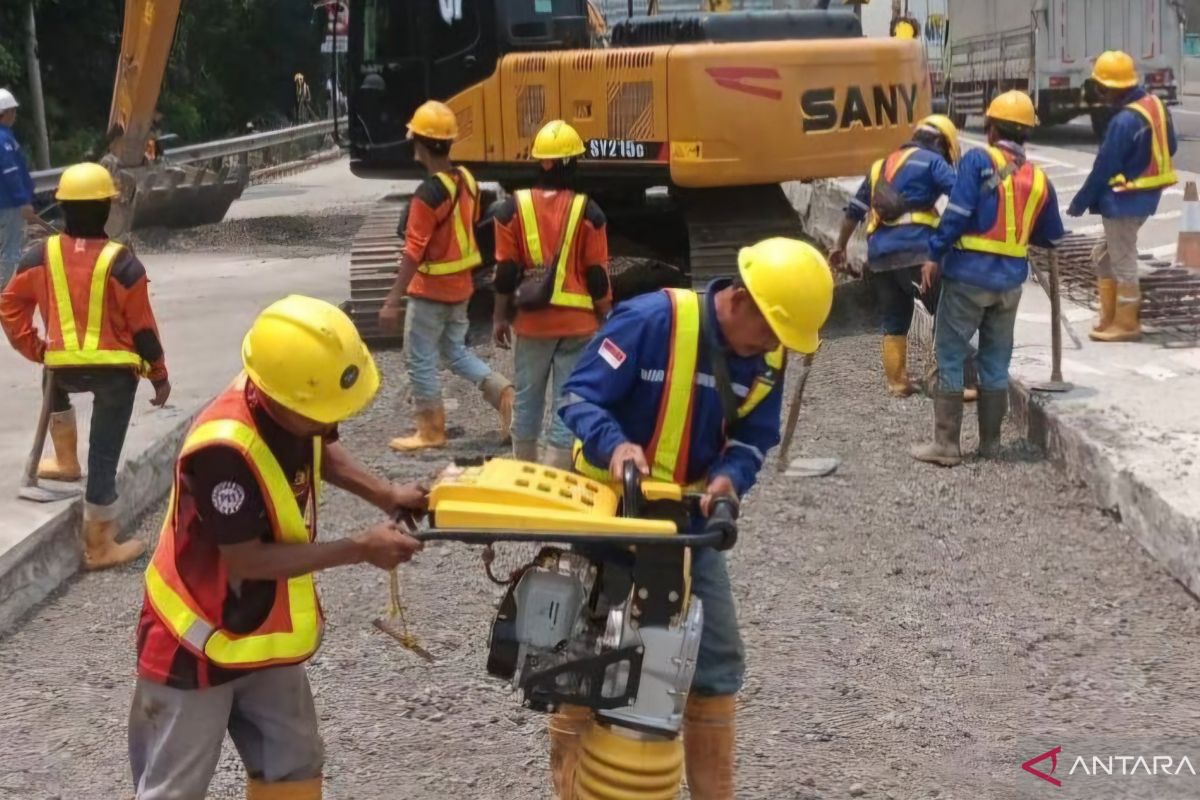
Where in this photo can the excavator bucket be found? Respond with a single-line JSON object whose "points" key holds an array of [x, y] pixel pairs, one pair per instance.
{"points": [[175, 196]]}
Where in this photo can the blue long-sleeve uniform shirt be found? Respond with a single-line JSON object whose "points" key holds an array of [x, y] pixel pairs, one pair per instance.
{"points": [[16, 184], [923, 178], [613, 395], [1126, 150], [973, 211]]}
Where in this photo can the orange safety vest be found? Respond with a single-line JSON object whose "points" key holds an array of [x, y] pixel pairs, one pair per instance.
{"points": [[889, 167], [1159, 173], [568, 293], [75, 348], [468, 256], [667, 451], [292, 631], [1022, 193]]}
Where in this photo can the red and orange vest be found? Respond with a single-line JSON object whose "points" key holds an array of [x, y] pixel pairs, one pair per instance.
{"points": [[1159, 173], [1022, 194]]}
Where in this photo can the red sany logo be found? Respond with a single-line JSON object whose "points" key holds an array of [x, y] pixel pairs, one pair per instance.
{"points": [[1029, 767], [733, 77]]}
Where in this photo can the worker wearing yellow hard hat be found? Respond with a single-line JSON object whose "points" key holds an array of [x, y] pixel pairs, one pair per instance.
{"points": [[898, 201], [687, 387], [100, 337], [1131, 169], [1001, 203], [231, 611], [551, 285], [435, 282]]}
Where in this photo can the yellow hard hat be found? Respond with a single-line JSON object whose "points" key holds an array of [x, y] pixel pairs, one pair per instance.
{"points": [[905, 29], [791, 283], [944, 127], [556, 140], [1116, 70], [86, 181], [433, 120], [1013, 106], [306, 355]]}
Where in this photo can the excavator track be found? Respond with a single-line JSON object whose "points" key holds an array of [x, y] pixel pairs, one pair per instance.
{"points": [[374, 256], [720, 222]]}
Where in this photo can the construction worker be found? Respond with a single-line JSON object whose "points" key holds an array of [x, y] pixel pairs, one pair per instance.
{"points": [[231, 610], [16, 190], [435, 275], [687, 387], [552, 270], [897, 199], [1132, 167], [1000, 204], [101, 337]]}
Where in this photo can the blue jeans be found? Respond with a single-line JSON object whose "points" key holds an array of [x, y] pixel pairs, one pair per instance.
{"points": [[12, 240], [721, 664], [433, 330], [536, 363], [962, 310]]}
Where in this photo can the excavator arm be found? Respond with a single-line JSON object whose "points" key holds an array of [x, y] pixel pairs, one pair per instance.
{"points": [[146, 42]]}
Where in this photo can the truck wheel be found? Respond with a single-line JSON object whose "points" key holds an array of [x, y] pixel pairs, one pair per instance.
{"points": [[1100, 122]]}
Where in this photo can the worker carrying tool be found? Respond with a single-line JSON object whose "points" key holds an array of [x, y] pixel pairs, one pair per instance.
{"points": [[101, 338], [552, 271], [687, 387], [898, 201], [231, 610], [1000, 204], [439, 254], [1132, 167]]}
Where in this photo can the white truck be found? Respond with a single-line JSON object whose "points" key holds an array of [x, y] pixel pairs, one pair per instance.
{"points": [[1047, 48]]}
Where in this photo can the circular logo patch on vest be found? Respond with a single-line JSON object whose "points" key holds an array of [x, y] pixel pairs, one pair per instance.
{"points": [[349, 376], [228, 497]]}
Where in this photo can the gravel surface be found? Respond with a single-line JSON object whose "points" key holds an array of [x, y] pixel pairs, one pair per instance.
{"points": [[912, 632], [295, 236]]}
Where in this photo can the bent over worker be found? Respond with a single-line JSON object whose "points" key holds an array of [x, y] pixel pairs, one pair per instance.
{"points": [[687, 387], [897, 199], [1131, 169], [1000, 204], [435, 274], [101, 337], [231, 610], [552, 269]]}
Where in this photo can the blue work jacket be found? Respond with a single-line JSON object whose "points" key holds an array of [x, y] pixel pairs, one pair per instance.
{"points": [[972, 211], [1126, 150], [921, 180], [614, 394], [16, 184]]}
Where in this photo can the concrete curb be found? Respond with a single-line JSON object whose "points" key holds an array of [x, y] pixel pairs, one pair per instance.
{"points": [[51, 554], [1171, 536]]}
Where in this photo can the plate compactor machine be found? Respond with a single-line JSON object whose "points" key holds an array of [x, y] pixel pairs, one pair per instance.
{"points": [[603, 616]]}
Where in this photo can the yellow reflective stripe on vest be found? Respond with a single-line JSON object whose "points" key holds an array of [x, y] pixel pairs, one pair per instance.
{"points": [[929, 217], [1160, 154], [680, 382], [1014, 245], [234, 650], [75, 354], [533, 239], [470, 256], [764, 383]]}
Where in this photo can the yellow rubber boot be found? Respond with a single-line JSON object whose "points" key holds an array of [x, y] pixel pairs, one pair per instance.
{"points": [[566, 730], [431, 431], [895, 366], [100, 547], [1126, 325], [1106, 289], [501, 395], [284, 790], [709, 732], [64, 434]]}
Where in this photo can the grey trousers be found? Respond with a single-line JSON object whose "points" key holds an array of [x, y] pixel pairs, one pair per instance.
{"points": [[1120, 257], [175, 735]]}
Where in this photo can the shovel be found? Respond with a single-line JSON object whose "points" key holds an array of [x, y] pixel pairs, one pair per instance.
{"points": [[29, 481]]}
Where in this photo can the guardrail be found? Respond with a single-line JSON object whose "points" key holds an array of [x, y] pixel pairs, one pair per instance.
{"points": [[46, 180]]}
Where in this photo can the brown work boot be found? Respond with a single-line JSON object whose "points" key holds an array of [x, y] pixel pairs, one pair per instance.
{"points": [[309, 789], [895, 366], [64, 434], [992, 407], [566, 737], [1126, 325], [501, 395], [1106, 289], [947, 427], [430, 433], [100, 547], [709, 733]]}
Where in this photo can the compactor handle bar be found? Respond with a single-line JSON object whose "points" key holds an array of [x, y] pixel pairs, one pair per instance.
{"points": [[708, 538]]}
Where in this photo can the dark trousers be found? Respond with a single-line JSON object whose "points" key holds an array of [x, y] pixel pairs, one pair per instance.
{"points": [[113, 390], [896, 290]]}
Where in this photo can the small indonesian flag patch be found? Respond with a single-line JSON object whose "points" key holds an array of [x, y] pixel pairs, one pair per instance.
{"points": [[614, 355]]}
